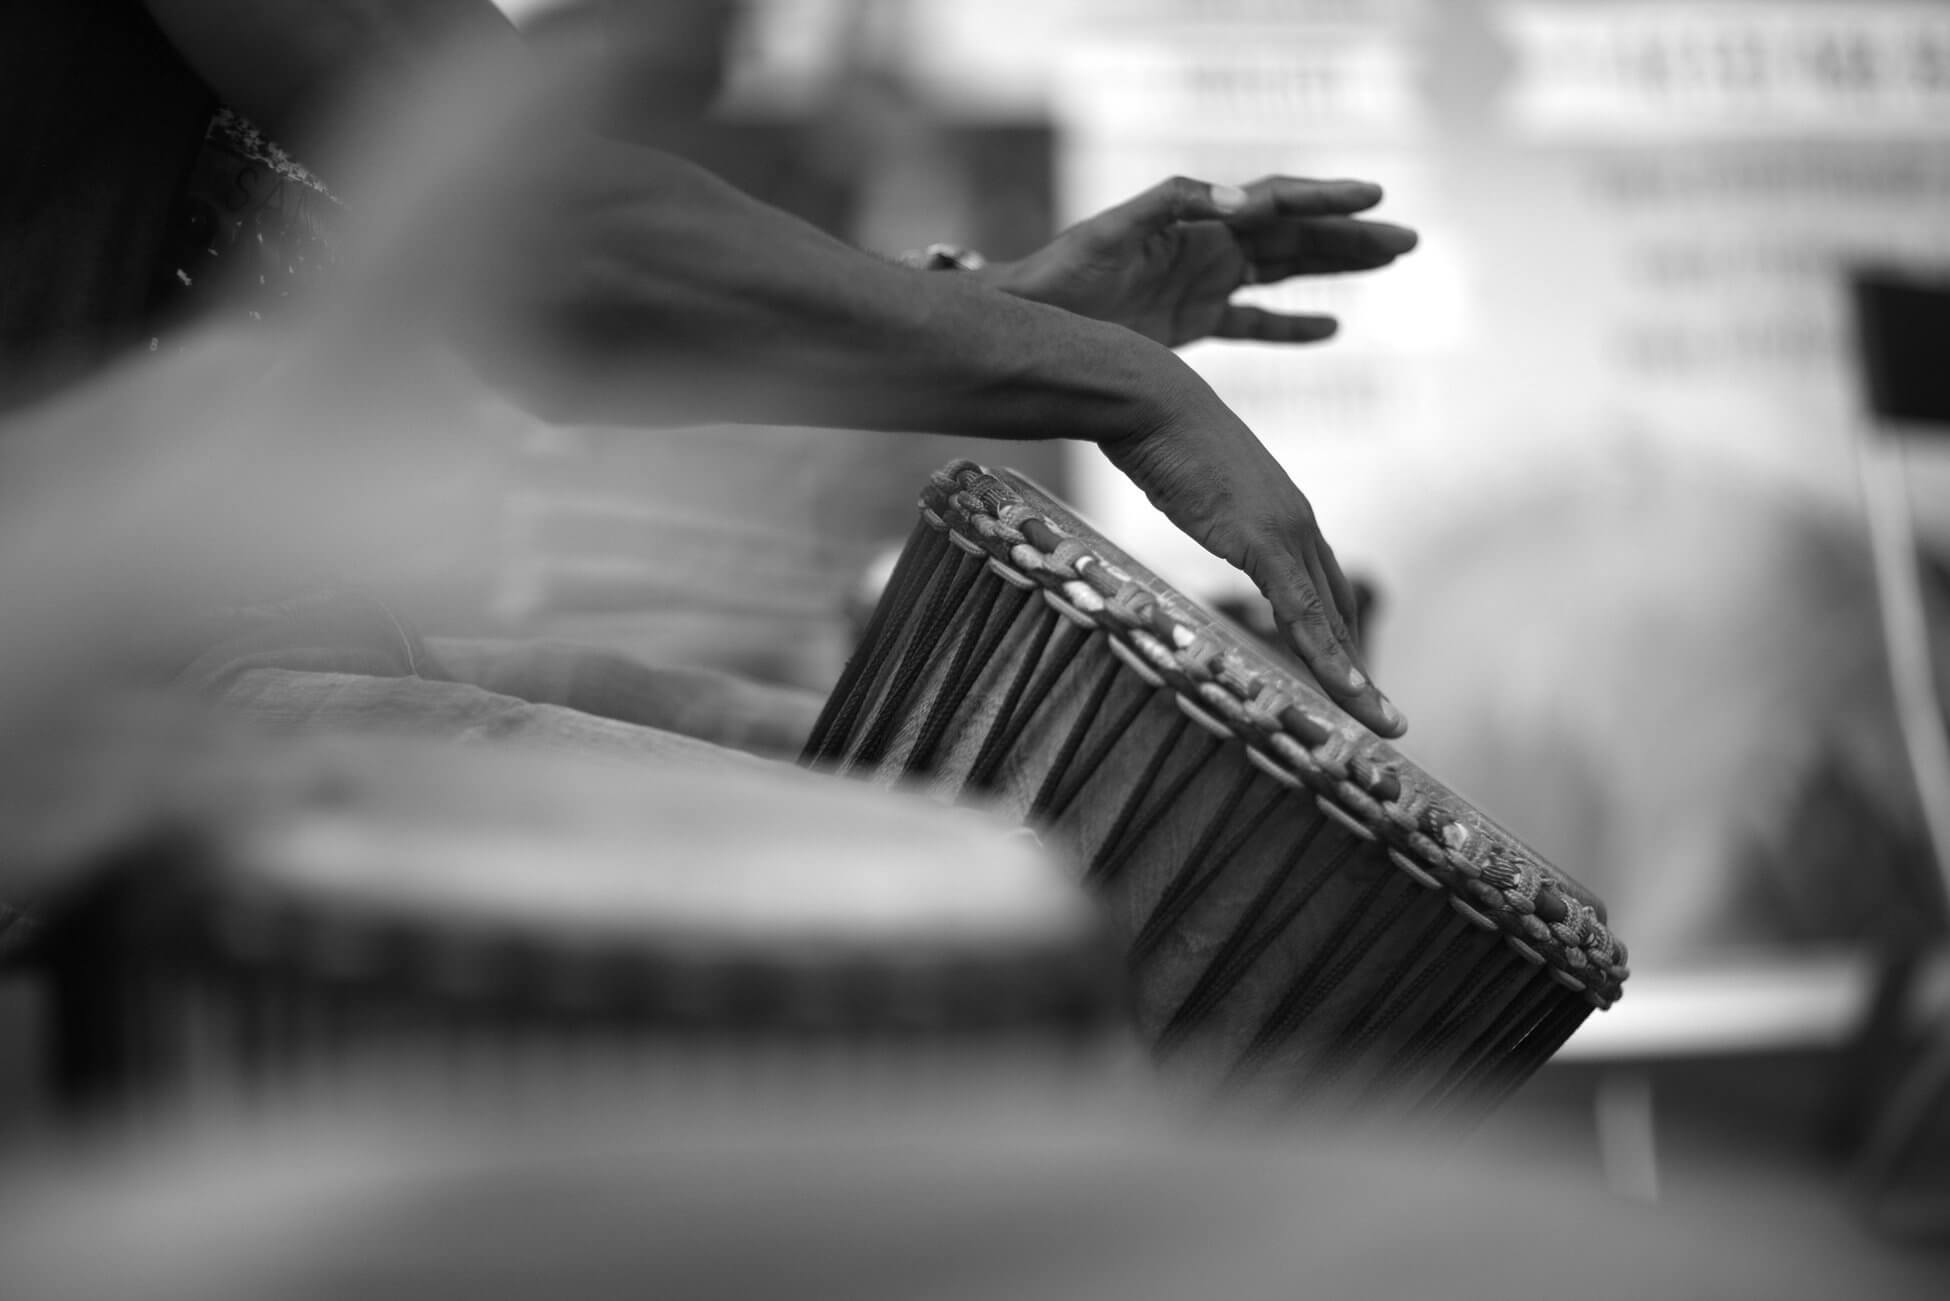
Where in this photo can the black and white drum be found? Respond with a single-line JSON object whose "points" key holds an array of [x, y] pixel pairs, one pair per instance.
{"points": [[1301, 905]]}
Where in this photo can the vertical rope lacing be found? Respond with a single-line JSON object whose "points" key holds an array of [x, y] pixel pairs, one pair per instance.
{"points": [[979, 642], [912, 574], [1024, 700], [1054, 796], [1203, 866], [944, 602], [1255, 931], [1341, 950]]}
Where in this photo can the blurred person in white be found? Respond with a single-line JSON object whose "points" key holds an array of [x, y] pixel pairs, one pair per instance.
{"points": [[1752, 792], [594, 280]]}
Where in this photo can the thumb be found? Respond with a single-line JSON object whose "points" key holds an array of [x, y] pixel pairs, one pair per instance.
{"points": [[1180, 198]]}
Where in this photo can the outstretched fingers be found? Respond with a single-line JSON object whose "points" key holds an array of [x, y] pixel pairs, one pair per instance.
{"points": [[1323, 246], [1271, 198], [1242, 322], [1179, 198]]}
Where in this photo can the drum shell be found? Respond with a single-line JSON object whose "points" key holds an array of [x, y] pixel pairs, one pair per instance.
{"points": [[1274, 938]]}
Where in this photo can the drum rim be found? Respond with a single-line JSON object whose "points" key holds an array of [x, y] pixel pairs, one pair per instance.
{"points": [[1290, 727]]}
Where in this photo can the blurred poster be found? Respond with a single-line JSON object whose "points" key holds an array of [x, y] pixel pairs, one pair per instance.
{"points": [[1637, 219], [1723, 166]]}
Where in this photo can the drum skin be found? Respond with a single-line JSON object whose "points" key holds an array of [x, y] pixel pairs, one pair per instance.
{"points": [[1303, 909]]}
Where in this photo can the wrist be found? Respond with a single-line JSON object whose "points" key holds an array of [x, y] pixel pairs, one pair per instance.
{"points": [[1162, 392], [943, 257], [1037, 279], [1005, 277]]}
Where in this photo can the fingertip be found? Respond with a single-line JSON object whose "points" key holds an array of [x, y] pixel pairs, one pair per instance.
{"points": [[1349, 684], [1308, 329], [1375, 712], [1365, 194], [1229, 199]]}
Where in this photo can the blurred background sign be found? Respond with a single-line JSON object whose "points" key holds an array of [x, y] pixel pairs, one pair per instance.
{"points": [[1636, 220]]}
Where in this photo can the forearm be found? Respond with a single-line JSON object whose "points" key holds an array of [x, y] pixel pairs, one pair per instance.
{"points": [[634, 287], [609, 282]]}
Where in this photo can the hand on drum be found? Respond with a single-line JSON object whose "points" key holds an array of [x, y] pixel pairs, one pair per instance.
{"points": [[1216, 481], [1167, 262]]}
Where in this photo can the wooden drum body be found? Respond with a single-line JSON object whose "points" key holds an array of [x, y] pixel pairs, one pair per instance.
{"points": [[1301, 906]]}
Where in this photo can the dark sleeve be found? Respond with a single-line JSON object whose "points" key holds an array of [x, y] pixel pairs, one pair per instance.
{"points": [[104, 120]]}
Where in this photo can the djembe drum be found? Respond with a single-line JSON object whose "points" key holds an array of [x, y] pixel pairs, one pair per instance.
{"points": [[378, 914], [1302, 907]]}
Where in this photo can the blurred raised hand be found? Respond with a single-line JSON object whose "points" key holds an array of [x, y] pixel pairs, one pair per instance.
{"points": [[1167, 263]]}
